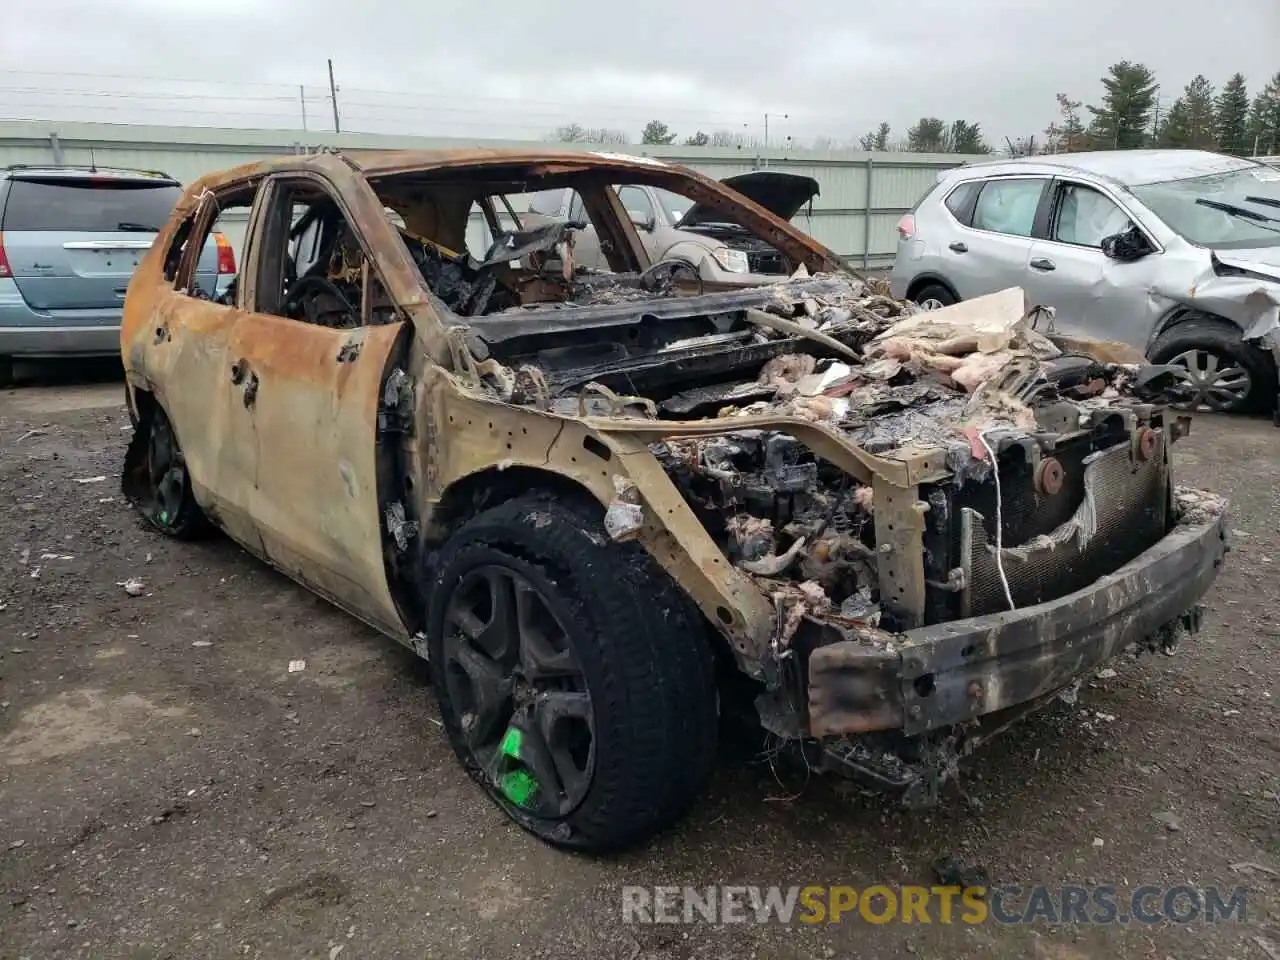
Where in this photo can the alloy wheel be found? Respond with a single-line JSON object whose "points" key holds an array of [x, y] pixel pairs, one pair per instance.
{"points": [[1217, 382], [519, 693]]}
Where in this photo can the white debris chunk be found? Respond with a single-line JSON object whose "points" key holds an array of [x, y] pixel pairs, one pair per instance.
{"points": [[624, 517], [623, 520], [88, 479], [133, 586], [297, 666], [1070, 695]]}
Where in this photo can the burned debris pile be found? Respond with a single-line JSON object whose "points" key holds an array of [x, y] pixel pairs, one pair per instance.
{"points": [[882, 375]]}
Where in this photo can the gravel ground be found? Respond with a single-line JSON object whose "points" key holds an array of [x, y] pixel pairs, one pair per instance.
{"points": [[168, 788]]}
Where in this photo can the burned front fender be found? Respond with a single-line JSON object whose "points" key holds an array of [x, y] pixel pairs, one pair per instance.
{"points": [[955, 672]]}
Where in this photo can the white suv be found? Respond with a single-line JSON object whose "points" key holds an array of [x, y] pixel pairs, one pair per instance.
{"points": [[1175, 252]]}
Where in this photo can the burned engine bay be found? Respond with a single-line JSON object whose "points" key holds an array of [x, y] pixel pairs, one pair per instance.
{"points": [[975, 381]]}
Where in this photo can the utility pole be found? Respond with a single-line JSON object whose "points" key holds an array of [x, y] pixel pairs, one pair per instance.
{"points": [[302, 102], [333, 96], [766, 128]]}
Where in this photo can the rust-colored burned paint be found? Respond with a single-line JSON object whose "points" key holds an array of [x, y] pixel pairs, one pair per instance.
{"points": [[287, 457], [315, 494]]}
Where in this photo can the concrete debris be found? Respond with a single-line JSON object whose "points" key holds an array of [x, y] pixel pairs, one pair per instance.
{"points": [[297, 666], [133, 587]]}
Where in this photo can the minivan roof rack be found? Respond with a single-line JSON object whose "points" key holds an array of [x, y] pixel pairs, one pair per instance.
{"points": [[86, 168]]}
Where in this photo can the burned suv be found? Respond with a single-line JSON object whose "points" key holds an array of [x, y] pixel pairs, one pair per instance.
{"points": [[591, 498]]}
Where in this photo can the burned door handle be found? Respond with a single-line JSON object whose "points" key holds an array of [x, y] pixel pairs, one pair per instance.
{"points": [[959, 247], [238, 371], [1043, 263]]}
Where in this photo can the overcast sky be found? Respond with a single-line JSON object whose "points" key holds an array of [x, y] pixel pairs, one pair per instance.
{"points": [[511, 68]]}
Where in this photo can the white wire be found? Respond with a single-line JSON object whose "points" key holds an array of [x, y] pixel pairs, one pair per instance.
{"points": [[995, 469]]}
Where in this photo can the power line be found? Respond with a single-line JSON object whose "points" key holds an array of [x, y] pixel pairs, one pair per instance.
{"points": [[287, 93], [151, 79], [125, 95]]}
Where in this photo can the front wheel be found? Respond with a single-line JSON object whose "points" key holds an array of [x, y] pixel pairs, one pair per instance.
{"points": [[934, 297], [1223, 373], [574, 680]]}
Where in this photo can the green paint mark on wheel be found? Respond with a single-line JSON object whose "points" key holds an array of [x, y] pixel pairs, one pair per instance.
{"points": [[511, 741], [164, 517], [518, 786]]}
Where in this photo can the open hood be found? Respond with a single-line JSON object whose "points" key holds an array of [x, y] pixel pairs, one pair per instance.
{"points": [[782, 194]]}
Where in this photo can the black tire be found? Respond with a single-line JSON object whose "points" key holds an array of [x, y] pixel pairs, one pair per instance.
{"points": [[643, 658], [935, 291], [1221, 341], [163, 495], [6, 371]]}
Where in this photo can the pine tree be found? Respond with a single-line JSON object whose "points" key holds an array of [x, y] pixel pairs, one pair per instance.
{"points": [[1201, 125], [929, 135], [965, 137], [1264, 120], [1175, 128], [1122, 120], [1072, 129], [1232, 111]]}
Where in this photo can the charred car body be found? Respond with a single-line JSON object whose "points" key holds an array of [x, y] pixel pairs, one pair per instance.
{"points": [[586, 496]]}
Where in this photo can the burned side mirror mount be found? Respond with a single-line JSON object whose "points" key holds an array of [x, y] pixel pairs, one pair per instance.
{"points": [[1127, 246]]}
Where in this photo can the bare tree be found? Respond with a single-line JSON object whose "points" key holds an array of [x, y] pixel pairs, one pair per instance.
{"points": [[571, 133]]}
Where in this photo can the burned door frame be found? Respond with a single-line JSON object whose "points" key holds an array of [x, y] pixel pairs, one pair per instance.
{"points": [[190, 345], [310, 396]]}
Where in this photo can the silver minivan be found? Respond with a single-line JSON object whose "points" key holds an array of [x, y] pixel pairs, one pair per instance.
{"points": [[1175, 252], [70, 238]]}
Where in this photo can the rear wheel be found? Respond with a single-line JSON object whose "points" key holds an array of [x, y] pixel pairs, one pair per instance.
{"points": [[933, 296], [574, 680], [1224, 373], [168, 502]]}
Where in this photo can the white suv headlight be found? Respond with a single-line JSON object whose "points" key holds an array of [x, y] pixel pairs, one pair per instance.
{"points": [[734, 261]]}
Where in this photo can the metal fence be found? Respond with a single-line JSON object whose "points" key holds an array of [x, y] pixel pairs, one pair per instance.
{"points": [[863, 194]]}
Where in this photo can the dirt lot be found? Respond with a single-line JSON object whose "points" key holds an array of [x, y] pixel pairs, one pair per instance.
{"points": [[168, 788]]}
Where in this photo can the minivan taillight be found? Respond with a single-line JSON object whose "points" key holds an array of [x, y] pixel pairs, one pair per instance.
{"points": [[907, 226], [226, 254], [4, 260]]}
